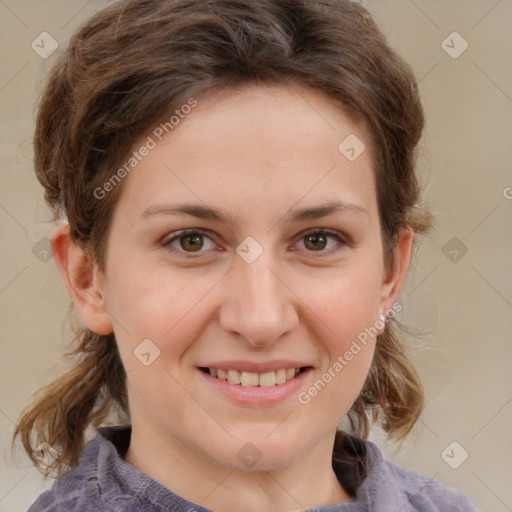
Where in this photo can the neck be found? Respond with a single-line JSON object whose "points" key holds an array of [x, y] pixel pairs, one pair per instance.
{"points": [[309, 482]]}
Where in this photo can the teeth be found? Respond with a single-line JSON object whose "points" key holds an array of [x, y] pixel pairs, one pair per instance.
{"points": [[280, 376], [234, 377], [266, 379], [248, 379]]}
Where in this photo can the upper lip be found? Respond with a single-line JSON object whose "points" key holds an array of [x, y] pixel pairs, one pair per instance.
{"points": [[250, 366]]}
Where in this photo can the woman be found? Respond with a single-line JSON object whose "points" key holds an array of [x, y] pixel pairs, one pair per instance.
{"points": [[237, 185]]}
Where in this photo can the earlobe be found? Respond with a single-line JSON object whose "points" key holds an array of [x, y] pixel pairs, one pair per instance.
{"points": [[82, 280], [395, 278]]}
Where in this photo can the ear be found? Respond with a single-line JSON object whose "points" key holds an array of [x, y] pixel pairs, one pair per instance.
{"points": [[394, 279], [82, 279]]}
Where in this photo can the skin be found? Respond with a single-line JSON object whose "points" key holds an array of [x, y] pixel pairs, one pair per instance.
{"points": [[257, 152]]}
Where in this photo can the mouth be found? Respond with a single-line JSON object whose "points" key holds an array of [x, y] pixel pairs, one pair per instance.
{"points": [[253, 379]]}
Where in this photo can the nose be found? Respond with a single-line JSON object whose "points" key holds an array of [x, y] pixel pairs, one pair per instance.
{"points": [[259, 306]]}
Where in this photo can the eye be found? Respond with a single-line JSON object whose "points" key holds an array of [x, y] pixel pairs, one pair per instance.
{"points": [[188, 241], [318, 240]]}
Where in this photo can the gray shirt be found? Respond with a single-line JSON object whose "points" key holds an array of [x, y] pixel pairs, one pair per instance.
{"points": [[103, 482]]}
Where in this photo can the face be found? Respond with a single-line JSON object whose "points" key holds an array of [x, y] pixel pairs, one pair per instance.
{"points": [[258, 277]]}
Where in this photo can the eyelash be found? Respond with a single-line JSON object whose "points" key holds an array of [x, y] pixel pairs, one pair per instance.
{"points": [[188, 232]]}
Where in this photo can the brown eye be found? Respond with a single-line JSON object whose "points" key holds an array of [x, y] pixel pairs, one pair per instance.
{"points": [[191, 241], [318, 241]]}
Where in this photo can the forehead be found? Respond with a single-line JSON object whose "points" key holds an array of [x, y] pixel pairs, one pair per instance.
{"points": [[272, 109], [256, 144]]}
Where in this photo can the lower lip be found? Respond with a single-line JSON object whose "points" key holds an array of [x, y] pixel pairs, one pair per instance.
{"points": [[257, 395]]}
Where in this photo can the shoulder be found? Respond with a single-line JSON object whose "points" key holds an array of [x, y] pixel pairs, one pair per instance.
{"points": [[413, 491], [49, 501], [426, 493], [103, 482], [78, 489]]}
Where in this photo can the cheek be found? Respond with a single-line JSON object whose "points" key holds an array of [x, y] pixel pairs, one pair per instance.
{"points": [[162, 307], [347, 313], [346, 304], [166, 310], [346, 307]]}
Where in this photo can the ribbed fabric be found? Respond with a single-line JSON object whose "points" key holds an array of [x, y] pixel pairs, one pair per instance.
{"points": [[104, 482]]}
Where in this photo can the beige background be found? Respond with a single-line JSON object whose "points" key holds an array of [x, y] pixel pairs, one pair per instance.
{"points": [[465, 304]]}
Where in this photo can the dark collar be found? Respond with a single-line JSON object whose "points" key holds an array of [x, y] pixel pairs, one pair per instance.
{"points": [[348, 461]]}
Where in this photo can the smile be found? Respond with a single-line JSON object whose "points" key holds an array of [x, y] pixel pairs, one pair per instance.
{"points": [[253, 379], [255, 389]]}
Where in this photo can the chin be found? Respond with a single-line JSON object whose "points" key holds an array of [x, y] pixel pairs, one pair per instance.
{"points": [[259, 453]]}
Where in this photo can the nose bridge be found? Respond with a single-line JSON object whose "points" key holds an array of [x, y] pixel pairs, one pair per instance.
{"points": [[258, 305]]}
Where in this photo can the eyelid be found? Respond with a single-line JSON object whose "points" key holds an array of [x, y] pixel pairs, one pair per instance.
{"points": [[170, 237]]}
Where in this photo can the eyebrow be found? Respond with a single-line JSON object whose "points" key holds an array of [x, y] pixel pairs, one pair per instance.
{"points": [[207, 213]]}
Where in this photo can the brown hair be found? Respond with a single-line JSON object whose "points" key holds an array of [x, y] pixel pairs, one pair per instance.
{"points": [[138, 59]]}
